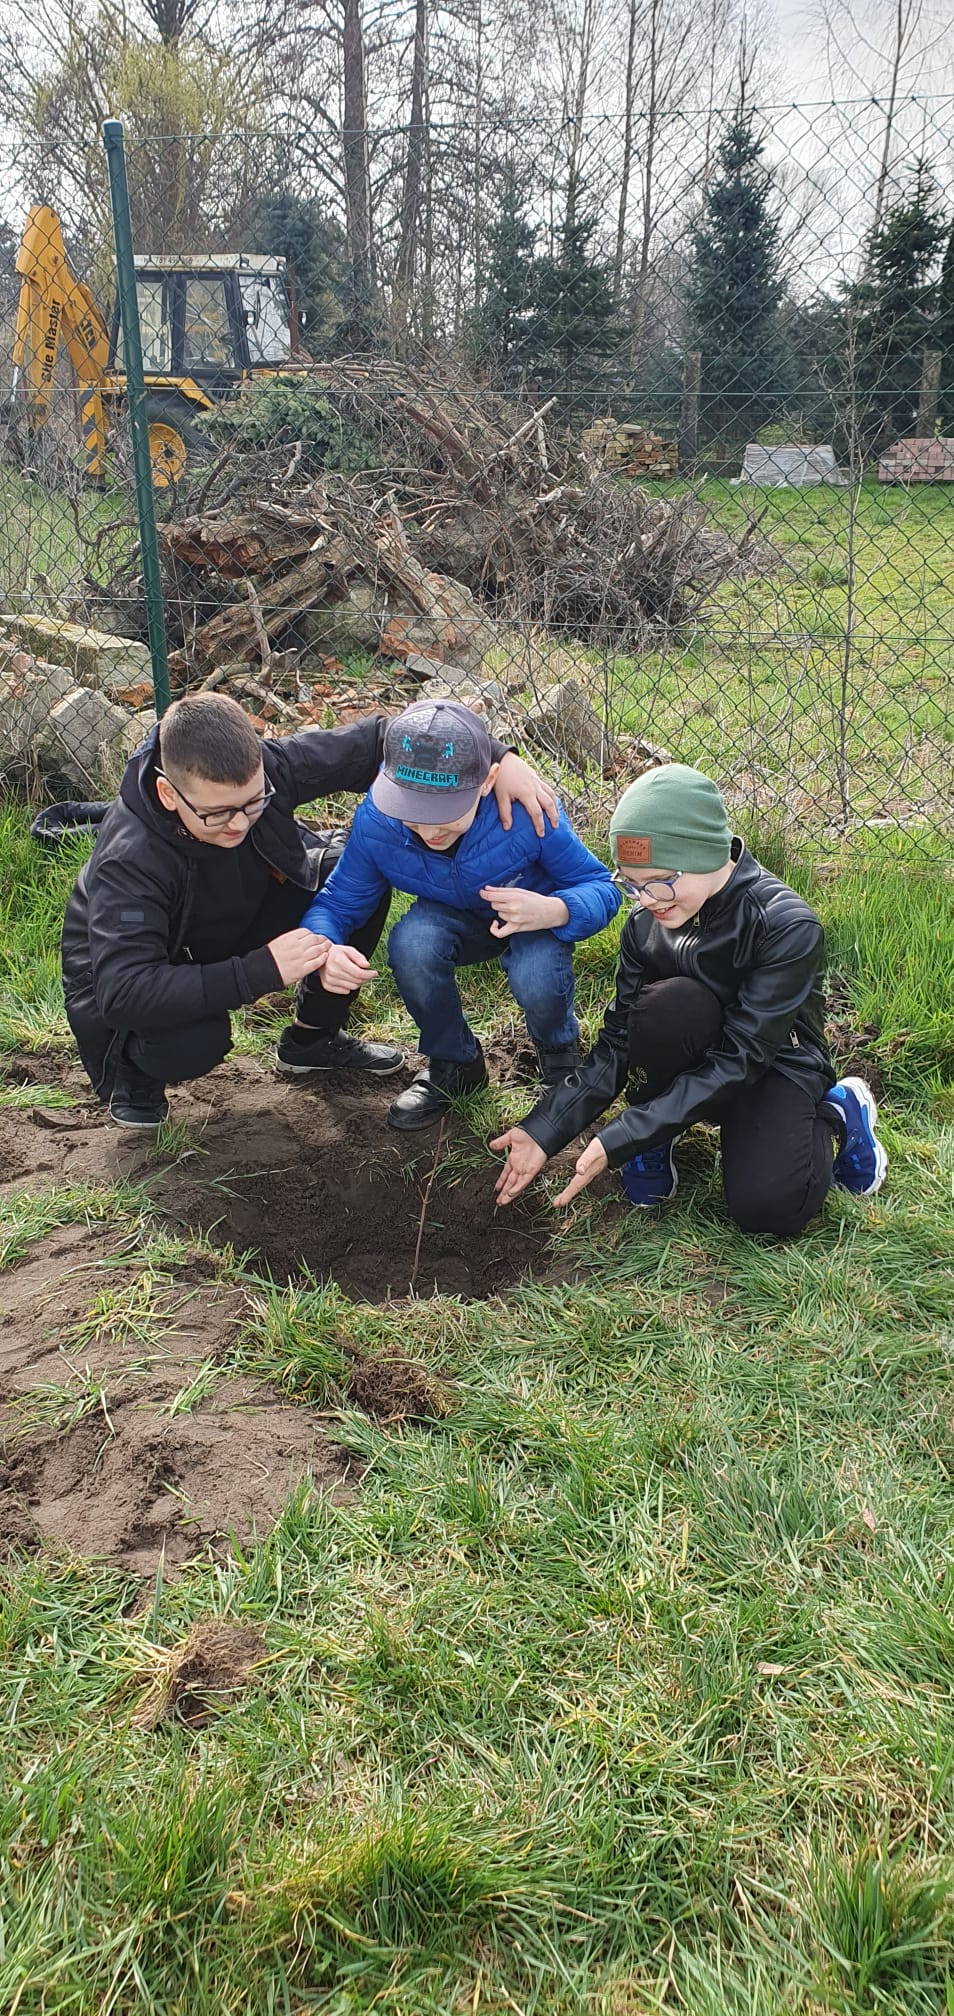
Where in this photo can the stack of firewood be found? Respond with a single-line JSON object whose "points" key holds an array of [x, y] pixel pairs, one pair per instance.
{"points": [[630, 450]]}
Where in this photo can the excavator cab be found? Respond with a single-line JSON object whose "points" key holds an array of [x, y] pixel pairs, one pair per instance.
{"points": [[207, 325]]}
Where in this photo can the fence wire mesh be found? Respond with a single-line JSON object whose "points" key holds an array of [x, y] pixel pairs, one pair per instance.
{"points": [[635, 431]]}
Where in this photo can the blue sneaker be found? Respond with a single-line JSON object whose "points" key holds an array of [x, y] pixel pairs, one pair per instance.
{"points": [[861, 1165], [650, 1178]]}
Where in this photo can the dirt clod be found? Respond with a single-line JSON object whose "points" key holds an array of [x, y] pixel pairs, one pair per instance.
{"points": [[394, 1389], [202, 1676]]}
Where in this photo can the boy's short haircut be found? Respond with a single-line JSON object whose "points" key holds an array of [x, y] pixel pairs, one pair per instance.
{"points": [[209, 736]]}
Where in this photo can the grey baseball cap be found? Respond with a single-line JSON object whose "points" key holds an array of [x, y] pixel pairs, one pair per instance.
{"points": [[436, 757]]}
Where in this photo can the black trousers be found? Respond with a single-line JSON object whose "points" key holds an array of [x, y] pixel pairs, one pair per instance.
{"points": [[189, 1050], [777, 1146]]}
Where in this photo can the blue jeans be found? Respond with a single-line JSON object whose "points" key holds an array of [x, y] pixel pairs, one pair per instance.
{"points": [[430, 941]]}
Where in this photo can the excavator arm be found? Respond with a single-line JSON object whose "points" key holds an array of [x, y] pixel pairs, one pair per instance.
{"points": [[55, 307]]}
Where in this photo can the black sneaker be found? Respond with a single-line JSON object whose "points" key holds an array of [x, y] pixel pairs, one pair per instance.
{"points": [[429, 1094], [555, 1065], [297, 1055], [143, 1105]]}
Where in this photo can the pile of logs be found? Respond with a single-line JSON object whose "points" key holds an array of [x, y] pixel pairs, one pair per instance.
{"points": [[630, 450], [480, 521]]}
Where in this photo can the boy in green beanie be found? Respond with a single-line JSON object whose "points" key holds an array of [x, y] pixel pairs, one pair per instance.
{"points": [[718, 1016]]}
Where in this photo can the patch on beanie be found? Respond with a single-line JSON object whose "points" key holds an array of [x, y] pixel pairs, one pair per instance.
{"points": [[634, 850]]}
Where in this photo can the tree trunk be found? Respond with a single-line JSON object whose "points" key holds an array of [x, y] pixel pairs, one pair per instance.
{"points": [[627, 153], [931, 361], [413, 175], [357, 172], [649, 161]]}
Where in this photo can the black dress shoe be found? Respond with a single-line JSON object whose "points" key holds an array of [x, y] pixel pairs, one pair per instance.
{"points": [[296, 1058], [555, 1065], [142, 1104], [429, 1094]]}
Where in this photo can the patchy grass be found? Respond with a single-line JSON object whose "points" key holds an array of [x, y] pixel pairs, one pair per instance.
{"points": [[624, 1687]]}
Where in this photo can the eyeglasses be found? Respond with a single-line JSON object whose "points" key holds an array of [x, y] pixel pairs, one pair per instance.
{"points": [[224, 815], [661, 890]]}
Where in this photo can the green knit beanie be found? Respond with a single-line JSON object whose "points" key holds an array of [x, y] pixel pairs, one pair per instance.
{"points": [[672, 817]]}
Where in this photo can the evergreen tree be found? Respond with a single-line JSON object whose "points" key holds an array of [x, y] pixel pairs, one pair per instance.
{"points": [[296, 229], [736, 288], [891, 314], [577, 308], [506, 329], [944, 333]]}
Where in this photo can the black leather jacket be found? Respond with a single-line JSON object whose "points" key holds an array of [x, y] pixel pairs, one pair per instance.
{"points": [[760, 949]]}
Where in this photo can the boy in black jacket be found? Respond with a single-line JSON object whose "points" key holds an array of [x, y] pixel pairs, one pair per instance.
{"points": [[191, 902], [719, 1016]]}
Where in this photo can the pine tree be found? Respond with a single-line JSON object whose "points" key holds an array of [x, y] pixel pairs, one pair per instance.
{"points": [[944, 333], [892, 312], [506, 328], [736, 289], [578, 315], [297, 229]]}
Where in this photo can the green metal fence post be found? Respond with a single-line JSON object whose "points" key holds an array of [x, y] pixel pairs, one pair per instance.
{"points": [[136, 402]]}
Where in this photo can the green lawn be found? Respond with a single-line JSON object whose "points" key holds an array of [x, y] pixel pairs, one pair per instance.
{"points": [[819, 687], [628, 1686]]}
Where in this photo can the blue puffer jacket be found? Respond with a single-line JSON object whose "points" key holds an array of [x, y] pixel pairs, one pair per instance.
{"points": [[383, 853]]}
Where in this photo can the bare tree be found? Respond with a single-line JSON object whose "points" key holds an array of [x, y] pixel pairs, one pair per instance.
{"points": [[413, 177]]}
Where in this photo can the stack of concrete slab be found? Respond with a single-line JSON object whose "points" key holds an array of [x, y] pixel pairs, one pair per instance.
{"points": [[50, 722], [789, 465], [925, 459]]}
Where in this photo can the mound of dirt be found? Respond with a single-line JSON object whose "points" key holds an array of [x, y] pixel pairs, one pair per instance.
{"points": [[125, 1438], [129, 1444]]}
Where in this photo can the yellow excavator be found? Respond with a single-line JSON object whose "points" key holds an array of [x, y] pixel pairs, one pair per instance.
{"points": [[209, 325]]}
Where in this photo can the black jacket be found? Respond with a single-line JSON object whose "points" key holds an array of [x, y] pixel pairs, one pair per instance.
{"points": [[127, 918], [760, 949]]}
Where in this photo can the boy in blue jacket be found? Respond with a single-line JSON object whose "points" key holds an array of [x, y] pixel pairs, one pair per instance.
{"points": [[430, 826]]}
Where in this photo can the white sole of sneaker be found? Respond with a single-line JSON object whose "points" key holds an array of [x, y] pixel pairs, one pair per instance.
{"points": [[866, 1098], [137, 1126]]}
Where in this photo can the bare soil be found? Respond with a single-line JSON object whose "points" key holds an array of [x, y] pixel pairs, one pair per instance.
{"points": [[104, 1449], [96, 1457]]}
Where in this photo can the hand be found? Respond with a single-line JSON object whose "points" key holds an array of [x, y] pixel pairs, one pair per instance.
{"points": [[524, 1162], [592, 1162], [298, 953], [524, 910], [345, 969], [517, 783]]}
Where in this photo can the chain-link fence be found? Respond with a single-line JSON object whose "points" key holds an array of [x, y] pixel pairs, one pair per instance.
{"points": [[636, 438]]}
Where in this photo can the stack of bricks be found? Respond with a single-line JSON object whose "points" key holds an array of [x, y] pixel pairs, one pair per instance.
{"points": [[926, 460], [631, 450]]}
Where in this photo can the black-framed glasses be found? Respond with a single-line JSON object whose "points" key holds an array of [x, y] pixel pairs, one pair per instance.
{"points": [[223, 816], [661, 889]]}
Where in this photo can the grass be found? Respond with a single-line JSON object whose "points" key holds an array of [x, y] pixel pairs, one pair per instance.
{"points": [[627, 1687], [817, 686]]}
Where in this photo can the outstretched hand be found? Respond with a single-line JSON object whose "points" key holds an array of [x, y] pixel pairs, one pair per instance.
{"points": [[524, 1161], [591, 1163]]}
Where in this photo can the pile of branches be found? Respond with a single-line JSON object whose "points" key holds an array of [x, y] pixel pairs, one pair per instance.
{"points": [[466, 486]]}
